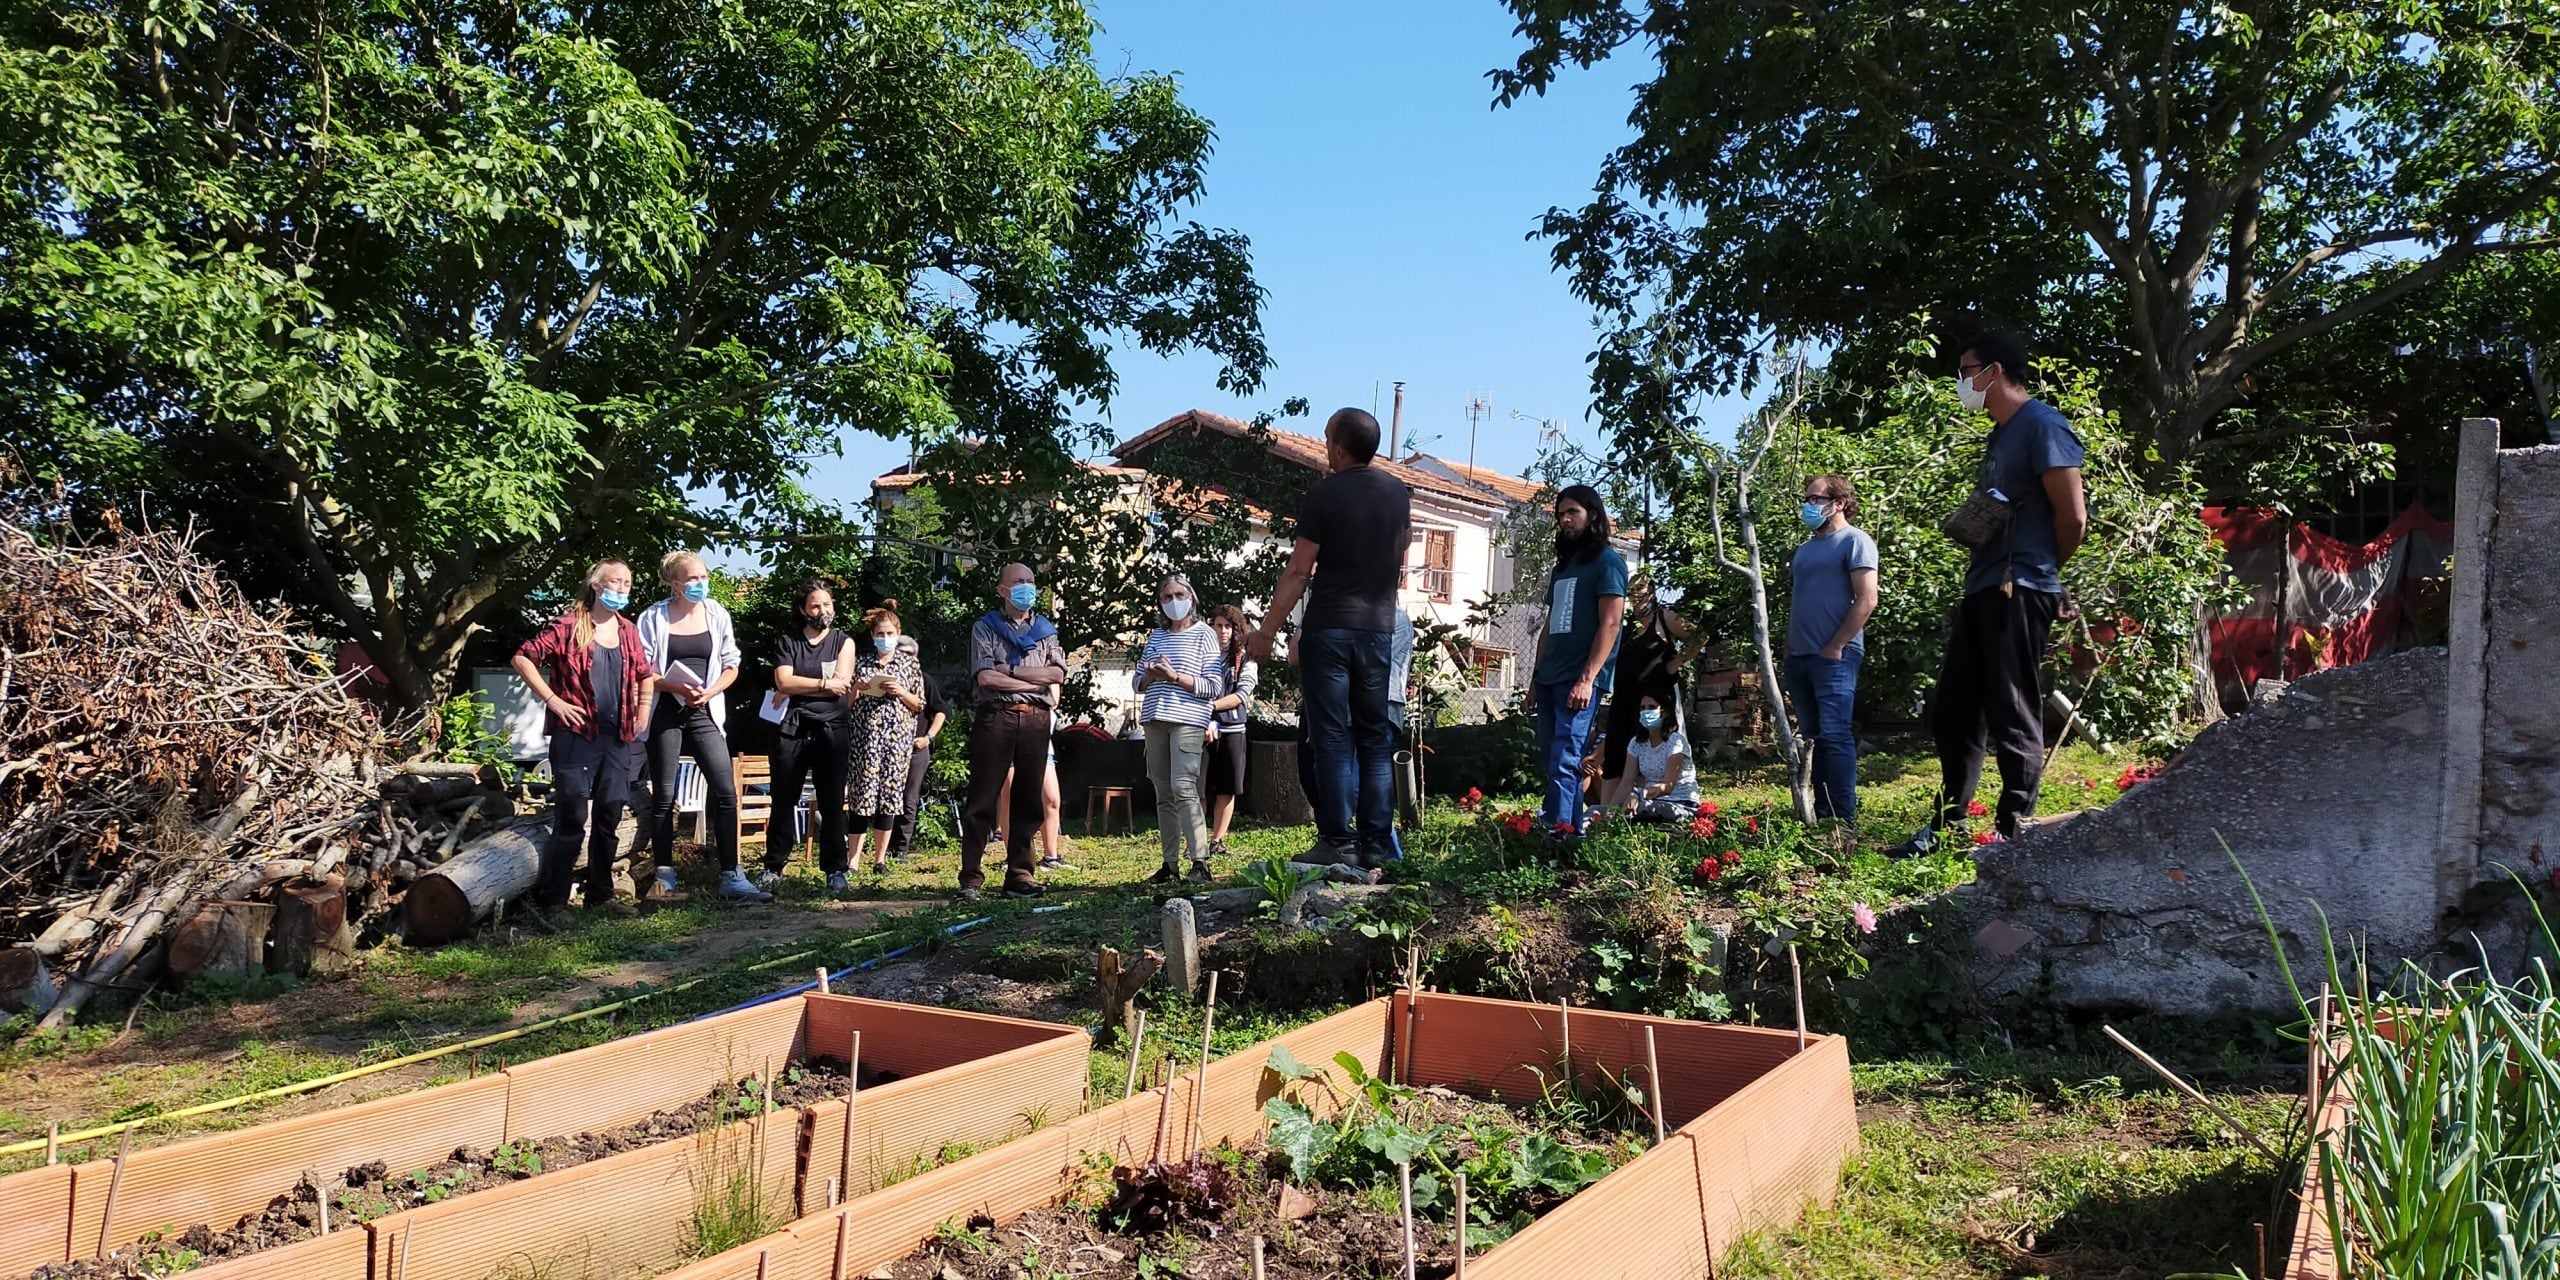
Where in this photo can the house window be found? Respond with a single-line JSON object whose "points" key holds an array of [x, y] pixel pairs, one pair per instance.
{"points": [[1492, 667], [1439, 551]]}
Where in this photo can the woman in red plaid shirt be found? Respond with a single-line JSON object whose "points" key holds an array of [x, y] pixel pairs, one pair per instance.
{"points": [[593, 676]]}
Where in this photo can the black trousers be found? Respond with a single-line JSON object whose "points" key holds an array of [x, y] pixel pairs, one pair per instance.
{"points": [[1987, 699], [676, 729], [590, 784], [1005, 736], [822, 749], [902, 833]]}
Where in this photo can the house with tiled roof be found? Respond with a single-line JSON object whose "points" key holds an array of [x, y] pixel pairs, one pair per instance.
{"points": [[1455, 559]]}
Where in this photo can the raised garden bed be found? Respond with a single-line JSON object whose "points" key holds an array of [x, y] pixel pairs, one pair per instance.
{"points": [[629, 1115], [1760, 1130]]}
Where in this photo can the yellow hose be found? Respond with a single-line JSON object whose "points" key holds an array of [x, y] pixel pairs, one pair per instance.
{"points": [[322, 1082]]}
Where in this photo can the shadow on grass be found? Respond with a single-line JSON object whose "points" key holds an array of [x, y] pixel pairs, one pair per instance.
{"points": [[2159, 1215]]}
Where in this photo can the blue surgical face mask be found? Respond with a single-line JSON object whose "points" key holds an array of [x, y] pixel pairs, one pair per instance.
{"points": [[1177, 608], [697, 591], [1023, 595], [1812, 514], [884, 645], [1650, 717], [616, 601]]}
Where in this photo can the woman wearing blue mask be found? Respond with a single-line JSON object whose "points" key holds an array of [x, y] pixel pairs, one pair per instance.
{"points": [[888, 693], [1835, 592], [695, 648], [1180, 675], [1661, 781], [594, 677]]}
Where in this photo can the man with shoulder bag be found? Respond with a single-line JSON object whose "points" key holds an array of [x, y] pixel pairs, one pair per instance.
{"points": [[2025, 517]]}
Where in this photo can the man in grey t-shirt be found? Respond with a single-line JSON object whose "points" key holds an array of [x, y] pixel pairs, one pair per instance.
{"points": [[1835, 592]]}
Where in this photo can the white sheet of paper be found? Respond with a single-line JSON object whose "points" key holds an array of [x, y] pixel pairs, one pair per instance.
{"points": [[774, 707], [681, 675]]}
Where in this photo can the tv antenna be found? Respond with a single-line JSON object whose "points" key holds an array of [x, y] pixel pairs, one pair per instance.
{"points": [[1479, 408]]}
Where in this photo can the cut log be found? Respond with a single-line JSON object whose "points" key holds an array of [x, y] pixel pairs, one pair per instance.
{"points": [[311, 933], [439, 769], [1119, 986], [26, 981], [227, 938], [445, 903]]}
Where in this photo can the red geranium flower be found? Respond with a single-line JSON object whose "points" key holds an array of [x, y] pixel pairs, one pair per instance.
{"points": [[1731, 858], [1710, 870], [1521, 824], [1703, 828], [1752, 824], [1709, 808], [1564, 828], [1975, 808], [1986, 837]]}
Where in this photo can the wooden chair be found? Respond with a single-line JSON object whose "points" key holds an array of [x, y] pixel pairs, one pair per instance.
{"points": [[755, 801], [1104, 797]]}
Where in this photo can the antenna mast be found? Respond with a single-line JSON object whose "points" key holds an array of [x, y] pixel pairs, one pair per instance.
{"points": [[1479, 408]]}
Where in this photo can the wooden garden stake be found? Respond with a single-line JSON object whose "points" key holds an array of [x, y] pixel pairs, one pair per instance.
{"points": [[1164, 1109], [852, 1085], [1413, 966], [1795, 970], [1564, 1024], [1653, 1077], [1200, 1086], [2192, 1092], [1404, 1183], [764, 1263], [115, 1184], [822, 981], [321, 1194], [2261, 1229], [764, 1115], [1462, 1225], [844, 1241], [835, 1193], [53, 1143], [2319, 1054], [1137, 1045], [402, 1271], [475, 1064], [1257, 1258]]}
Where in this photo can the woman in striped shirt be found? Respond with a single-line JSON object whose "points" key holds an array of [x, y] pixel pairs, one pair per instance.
{"points": [[1179, 676]]}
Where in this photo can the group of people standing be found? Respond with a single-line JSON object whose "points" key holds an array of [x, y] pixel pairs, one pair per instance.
{"points": [[2026, 515], [857, 714]]}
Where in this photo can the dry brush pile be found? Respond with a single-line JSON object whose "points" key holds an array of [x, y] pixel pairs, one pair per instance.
{"points": [[179, 767]]}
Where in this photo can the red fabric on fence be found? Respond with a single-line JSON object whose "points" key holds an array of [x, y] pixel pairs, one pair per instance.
{"points": [[2344, 601]]}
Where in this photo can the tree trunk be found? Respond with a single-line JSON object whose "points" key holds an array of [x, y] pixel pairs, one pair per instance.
{"points": [[26, 982], [1799, 760], [227, 938], [310, 931], [445, 903]]}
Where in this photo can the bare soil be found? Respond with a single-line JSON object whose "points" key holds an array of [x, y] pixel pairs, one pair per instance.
{"points": [[373, 1189], [1329, 1235]]}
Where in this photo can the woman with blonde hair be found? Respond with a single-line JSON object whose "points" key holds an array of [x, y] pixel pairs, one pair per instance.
{"points": [[695, 649], [888, 687], [593, 675]]}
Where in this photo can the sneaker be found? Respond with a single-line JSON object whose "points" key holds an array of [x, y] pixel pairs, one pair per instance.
{"points": [[1200, 870], [1217, 849], [1054, 863], [1925, 841], [735, 887], [969, 895], [767, 879], [838, 882], [1165, 875], [1024, 891]]}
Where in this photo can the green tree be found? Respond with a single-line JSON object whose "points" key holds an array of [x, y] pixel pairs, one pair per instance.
{"points": [[415, 308], [2173, 194]]}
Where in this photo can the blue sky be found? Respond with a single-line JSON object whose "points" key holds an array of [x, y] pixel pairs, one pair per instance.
{"points": [[1389, 207]]}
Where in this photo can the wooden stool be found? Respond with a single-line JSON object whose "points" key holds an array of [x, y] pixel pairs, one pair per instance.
{"points": [[1105, 796]]}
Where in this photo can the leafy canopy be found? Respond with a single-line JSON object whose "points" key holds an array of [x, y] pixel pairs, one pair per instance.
{"points": [[417, 308], [2171, 194]]}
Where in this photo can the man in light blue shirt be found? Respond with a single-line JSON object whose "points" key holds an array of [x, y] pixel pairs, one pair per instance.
{"points": [[1835, 592]]}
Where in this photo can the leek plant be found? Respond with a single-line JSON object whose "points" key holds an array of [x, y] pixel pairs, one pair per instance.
{"points": [[2448, 1165]]}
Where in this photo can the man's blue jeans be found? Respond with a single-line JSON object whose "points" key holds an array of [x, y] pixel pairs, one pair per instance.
{"points": [[1824, 694], [1564, 737], [1344, 674]]}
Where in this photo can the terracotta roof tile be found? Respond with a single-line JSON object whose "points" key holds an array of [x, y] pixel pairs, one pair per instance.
{"points": [[1306, 450]]}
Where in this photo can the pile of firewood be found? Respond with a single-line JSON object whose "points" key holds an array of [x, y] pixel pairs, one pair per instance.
{"points": [[185, 780]]}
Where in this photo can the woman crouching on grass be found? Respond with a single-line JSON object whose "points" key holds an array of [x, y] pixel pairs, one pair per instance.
{"points": [[1661, 783], [592, 673], [1180, 674]]}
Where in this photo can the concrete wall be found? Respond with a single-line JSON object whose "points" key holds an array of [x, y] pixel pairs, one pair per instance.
{"points": [[2392, 796]]}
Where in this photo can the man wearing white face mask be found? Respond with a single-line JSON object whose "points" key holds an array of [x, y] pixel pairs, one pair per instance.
{"points": [[2030, 491], [1835, 592], [1180, 674]]}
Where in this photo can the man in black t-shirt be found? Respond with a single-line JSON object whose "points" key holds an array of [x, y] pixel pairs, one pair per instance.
{"points": [[1349, 564]]}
